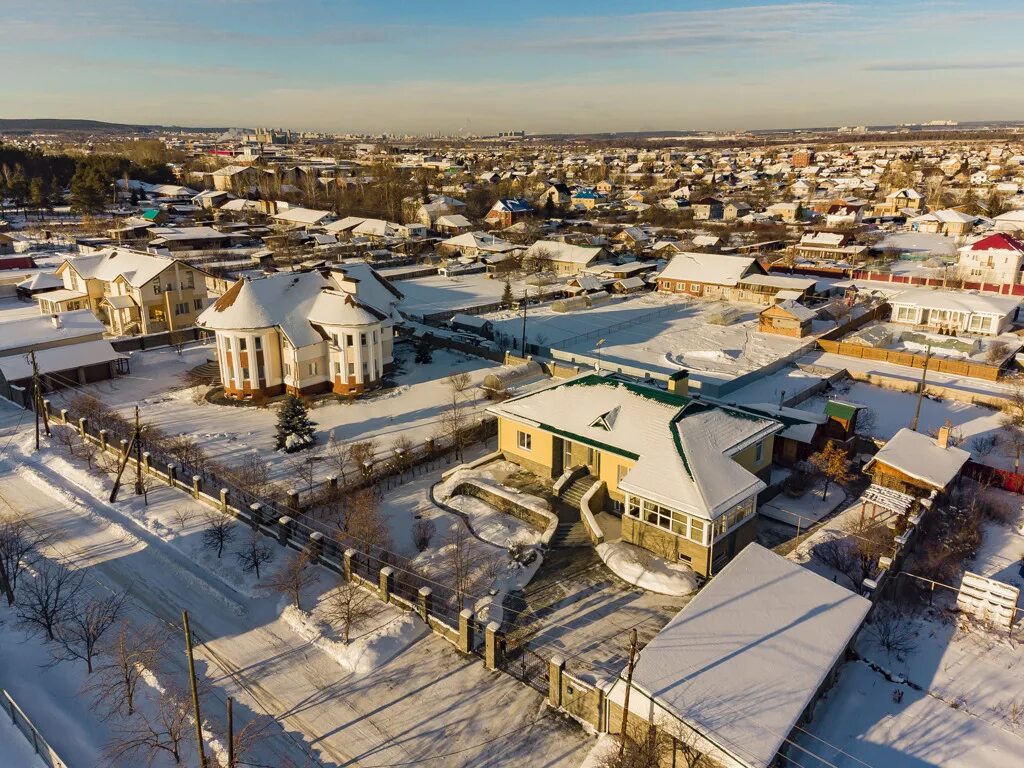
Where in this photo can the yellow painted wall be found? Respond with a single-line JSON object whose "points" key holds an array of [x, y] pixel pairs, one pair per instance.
{"points": [[745, 458], [539, 459]]}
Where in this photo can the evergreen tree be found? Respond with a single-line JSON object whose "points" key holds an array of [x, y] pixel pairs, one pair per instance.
{"points": [[424, 353], [37, 195], [17, 187], [506, 296], [295, 430], [54, 194], [88, 191]]}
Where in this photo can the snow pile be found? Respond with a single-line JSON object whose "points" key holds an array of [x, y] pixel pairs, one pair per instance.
{"points": [[514, 577], [365, 653], [647, 571], [492, 526]]}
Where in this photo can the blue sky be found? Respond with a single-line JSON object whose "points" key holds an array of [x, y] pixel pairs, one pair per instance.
{"points": [[559, 65]]}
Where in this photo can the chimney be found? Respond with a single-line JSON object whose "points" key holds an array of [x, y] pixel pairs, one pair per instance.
{"points": [[679, 383], [942, 440], [55, 319]]}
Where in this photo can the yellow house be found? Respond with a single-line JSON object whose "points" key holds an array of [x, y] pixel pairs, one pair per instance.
{"points": [[682, 472]]}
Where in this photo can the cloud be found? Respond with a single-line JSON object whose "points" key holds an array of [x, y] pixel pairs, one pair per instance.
{"points": [[942, 66]]}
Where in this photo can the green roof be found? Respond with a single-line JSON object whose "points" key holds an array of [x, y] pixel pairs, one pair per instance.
{"points": [[151, 214], [839, 410]]}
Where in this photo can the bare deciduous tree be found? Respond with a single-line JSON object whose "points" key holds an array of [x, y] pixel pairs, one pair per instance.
{"points": [[834, 465], [17, 544], [347, 604], [295, 576], [365, 526], [47, 600], [142, 738], [183, 514], [454, 421], [362, 454], [894, 630], [218, 532], [81, 631], [254, 554], [338, 455], [132, 652], [457, 558]]}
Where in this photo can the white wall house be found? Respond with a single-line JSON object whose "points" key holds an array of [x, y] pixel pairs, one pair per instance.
{"points": [[954, 311], [996, 258]]}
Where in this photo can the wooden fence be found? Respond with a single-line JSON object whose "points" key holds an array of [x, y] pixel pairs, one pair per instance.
{"points": [[967, 368]]}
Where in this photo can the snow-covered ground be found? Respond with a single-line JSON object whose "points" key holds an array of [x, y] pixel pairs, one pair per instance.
{"points": [[412, 409], [973, 425], [919, 243], [426, 701], [427, 295], [804, 510], [15, 749], [642, 569], [962, 685], [656, 332]]}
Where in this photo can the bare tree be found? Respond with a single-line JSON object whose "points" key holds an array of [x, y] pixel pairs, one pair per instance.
{"points": [[183, 514], [894, 630], [218, 532], [49, 599], [347, 604], [1013, 420], [304, 464], [143, 738], [365, 526], [80, 632], [17, 544], [454, 419], [132, 652], [457, 557], [362, 454], [338, 455], [422, 533], [254, 554], [295, 576], [402, 454]]}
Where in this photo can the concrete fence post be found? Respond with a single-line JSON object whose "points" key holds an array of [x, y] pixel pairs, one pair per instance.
{"points": [[316, 546], [599, 719], [103, 439], [386, 582], [492, 645], [256, 512], [145, 462], [424, 603], [47, 410], [347, 562], [555, 669], [197, 485], [83, 427], [224, 500], [293, 500], [172, 474], [64, 415], [332, 481], [466, 630], [284, 530], [124, 447]]}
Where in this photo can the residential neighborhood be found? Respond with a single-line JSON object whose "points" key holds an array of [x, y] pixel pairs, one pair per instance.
{"points": [[434, 417]]}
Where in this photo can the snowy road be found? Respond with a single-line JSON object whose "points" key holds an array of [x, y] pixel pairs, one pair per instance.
{"points": [[429, 702]]}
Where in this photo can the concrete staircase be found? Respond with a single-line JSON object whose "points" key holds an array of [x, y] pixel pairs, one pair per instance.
{"points": [[571, 532], [210, 372]]}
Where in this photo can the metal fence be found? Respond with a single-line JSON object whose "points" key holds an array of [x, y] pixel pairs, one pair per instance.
{"points": [[20, 720]]}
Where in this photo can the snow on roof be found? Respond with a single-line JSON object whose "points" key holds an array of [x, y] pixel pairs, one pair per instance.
{"points": [[741, 662], [171, 234], [921, 457], [957, 301], [301, 215], [947, 216], [680, 445], [136, 267], [480, 241], [40, 330], [55, 359], [40, 281], [453, 220], [345, 224], [822, 238], [366, 283], [783, 282], [797, 310], [714, 268], [556, 250]]}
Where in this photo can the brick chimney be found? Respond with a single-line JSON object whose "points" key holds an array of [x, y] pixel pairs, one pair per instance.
{"points": [[55, 319], [679, 383], [942, 440]]}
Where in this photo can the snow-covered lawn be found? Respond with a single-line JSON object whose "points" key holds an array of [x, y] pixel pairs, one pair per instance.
{"points": [[668, 332], [640, 568], [15, 749], [427, 295], [973, 425], [803, 510], [962, 685], [412, 409]]}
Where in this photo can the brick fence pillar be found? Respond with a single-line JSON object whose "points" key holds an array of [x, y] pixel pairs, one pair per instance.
{"points": [[103, 439], [466, 630], [315, 548], [83, 427], [424, 602], [293, 500], [197, 485], [47, 410], [224, 500], [386, 582], [332, 481], [555, 669], [284, 530], [347, 562], [124, 447], [64, 415], [492, 645], [256, 513], [172, 474], [145, 462]]}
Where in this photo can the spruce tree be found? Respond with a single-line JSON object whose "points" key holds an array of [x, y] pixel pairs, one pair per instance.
{"points": [[506, 296], [295, 429]]}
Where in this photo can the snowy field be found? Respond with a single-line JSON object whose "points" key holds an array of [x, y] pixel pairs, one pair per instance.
{"points": [[656, 332], [396, 693], [427, 295], [973, 425], [962, 685], [919, 243], [412, 409]]}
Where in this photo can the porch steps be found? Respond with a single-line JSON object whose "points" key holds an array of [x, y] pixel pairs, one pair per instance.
{"points": [[571, 532], [210, 371]]}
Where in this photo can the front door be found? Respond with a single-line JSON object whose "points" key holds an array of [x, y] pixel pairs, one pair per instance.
{"points": [[566, 455], [594, 461]]}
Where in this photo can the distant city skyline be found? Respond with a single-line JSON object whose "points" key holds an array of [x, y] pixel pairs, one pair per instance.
{"points": [[569, 67]]}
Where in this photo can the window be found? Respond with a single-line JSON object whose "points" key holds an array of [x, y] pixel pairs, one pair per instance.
{"points": [[181, 309], [351, 369], [337, 369], [312, 369], [245, 374], [241, 344], [366, 371], [758, 452], [257, 343], [362, 339], [524, 440], [227, 343], [156, 314], [348, 339], [337, 340], [156, 288], [374, 337], [287, 369], [198, 304]]}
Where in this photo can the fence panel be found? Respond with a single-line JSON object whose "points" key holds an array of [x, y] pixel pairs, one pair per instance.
{"points": [[20, 720]]}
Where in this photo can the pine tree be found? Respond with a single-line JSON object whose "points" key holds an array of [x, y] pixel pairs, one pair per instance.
{"points": [[295, 430], [17, 187], [37, 195], [506, 296], [88, 193], [424, 352]]}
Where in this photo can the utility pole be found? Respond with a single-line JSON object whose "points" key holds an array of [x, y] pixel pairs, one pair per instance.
{"points": [[195, 691], [136, 438], [920, 391], [598, 348], [629, 685], [231, 734], [526, 298], [35, 392]]}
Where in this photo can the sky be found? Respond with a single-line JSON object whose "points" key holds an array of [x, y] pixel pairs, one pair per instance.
{"points": [[480, 66]]}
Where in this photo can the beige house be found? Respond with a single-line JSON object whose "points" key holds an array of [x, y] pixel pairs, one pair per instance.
{"points": [[948, 222], [683, 473], [564, 258], [901, 201], [304, 333], [131, 292]]}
